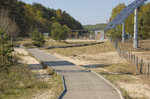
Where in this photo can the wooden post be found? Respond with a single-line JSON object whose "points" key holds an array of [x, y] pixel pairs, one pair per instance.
{"points": [[134, 59], [137, 63], [110, 39], [129, 56], [141, 65], [116, 44], [148, 69]]}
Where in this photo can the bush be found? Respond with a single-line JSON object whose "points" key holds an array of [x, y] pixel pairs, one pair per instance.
{"points": [[6, 49], [38, 38], [59, 32]]}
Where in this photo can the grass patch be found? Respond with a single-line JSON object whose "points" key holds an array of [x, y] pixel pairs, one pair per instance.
{"points": [[56, 84], [50, 71], [91, 49], [118, 78], [128, 45], [19, 81], [125, 93], [126, 68]]}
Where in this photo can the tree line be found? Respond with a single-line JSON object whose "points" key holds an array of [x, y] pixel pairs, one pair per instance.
{"points": [[143, 22], [100, 26], [28, 17]]}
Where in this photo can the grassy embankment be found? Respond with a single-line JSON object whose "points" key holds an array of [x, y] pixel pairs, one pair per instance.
{"points": [[20, 82]]}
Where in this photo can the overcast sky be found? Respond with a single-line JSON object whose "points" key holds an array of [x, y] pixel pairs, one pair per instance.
{"points": [[85, 11]]}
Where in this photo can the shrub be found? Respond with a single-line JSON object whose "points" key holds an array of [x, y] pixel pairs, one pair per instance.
{"points": [[38, 38], [6, 49]]}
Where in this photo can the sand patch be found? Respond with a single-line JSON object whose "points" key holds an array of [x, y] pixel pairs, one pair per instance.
{"points": [[36, 67], [136, 90], [21, 51]]}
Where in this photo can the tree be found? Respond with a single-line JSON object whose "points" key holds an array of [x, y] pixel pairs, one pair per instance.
{"points": [[5, 50], [38, 38], [8, 24], [27, 17], [59, 32], [144, 21], [117, 31]]}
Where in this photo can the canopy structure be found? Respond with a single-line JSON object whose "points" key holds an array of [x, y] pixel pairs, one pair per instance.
{"points": [[125, 13]]}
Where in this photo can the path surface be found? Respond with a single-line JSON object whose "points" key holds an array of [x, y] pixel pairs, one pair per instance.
{"points": [[80, 83]]}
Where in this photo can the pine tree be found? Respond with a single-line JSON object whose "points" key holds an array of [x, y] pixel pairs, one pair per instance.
{"points": [[5, 50], [38, 38]]}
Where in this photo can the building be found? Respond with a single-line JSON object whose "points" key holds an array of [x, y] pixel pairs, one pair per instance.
{"points": [[99, 34]]}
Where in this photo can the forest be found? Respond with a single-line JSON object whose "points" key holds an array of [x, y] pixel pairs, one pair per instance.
{"points": [[143, 22], [27, 17], [100, 26]]}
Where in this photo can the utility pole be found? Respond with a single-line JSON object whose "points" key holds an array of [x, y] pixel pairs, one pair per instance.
{"points": [[123, 32], [135, 39]]}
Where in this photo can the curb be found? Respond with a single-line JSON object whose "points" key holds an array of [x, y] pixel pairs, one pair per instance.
{"points": [[63, 82], [64, 88], [112, 85]]}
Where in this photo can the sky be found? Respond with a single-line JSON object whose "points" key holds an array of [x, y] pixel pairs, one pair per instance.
{"points": [[85, 11]]}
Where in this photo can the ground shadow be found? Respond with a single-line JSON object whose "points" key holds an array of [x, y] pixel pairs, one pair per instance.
{"points": [[35, 66], [96, 65], [58, 63]]}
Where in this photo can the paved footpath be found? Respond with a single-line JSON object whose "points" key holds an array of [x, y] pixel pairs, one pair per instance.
{"points": [[80, 83]]}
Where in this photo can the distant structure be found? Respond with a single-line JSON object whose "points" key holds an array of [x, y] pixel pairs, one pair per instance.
{"points": [[99, 34], [46, 34]]}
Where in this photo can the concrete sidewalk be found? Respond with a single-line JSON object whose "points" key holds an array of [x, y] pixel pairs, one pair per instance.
{"points": [[80, 84]]}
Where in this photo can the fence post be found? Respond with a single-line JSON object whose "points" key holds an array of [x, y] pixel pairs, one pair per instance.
{"points": [[134, 59], [116, 44], [129, 56], [148, 69], [141, 65], [137, 63]]}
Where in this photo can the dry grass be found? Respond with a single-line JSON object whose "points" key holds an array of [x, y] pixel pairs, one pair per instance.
{"points": [[114, 68], [27, 42], [19, 81], [92, 49], [45, 83], [56, 85], [128, 45]]}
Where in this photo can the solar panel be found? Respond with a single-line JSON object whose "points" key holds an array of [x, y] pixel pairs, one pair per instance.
{"points": [[123, 15]]}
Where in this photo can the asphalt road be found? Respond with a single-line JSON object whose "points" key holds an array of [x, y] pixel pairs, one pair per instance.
{"points": [[80, 84]]}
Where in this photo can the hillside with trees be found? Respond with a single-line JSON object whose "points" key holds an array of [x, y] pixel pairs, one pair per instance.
{"points": [[143, 22], [28, 17], [100, 26]]}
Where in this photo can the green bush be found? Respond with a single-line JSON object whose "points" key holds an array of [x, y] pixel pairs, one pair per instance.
{"points": [[59, 32], [6, 49], [38, 38]]}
